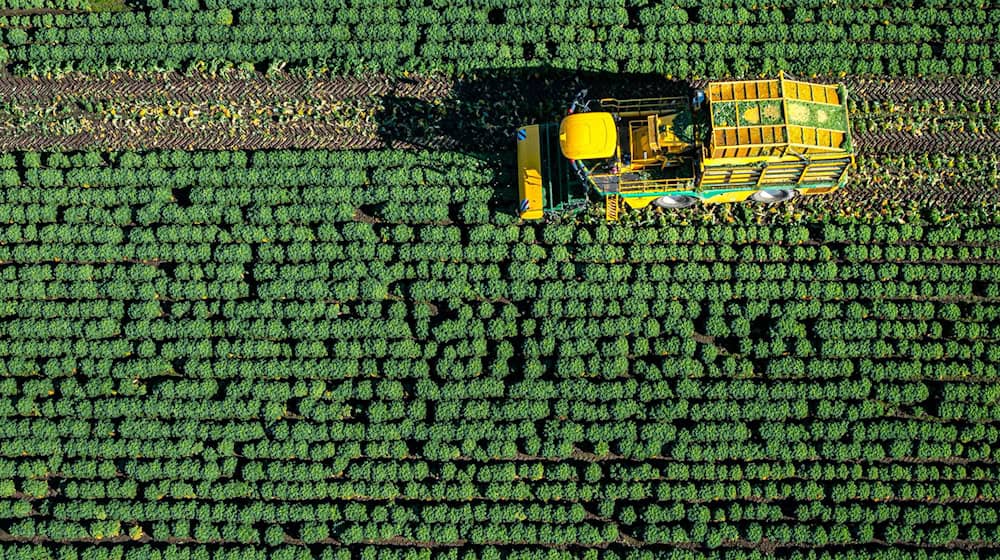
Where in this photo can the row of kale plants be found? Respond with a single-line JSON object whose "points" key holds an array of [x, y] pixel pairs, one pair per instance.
{"points": [[673, 38]]}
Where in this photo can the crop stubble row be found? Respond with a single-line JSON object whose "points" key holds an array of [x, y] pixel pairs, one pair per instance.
{"points": [[193, 87]]}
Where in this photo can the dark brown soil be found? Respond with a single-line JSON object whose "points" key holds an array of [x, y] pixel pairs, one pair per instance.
{"points": [[901, 142], [123, 86]]}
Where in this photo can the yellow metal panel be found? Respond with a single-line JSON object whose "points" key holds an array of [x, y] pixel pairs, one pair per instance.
{"points": [[819, 190], [832, 158], [791, 90], [814, 176], [768, 89], [796, 91], [714, 162], [823, 137], [588, 135], [808, 135], [651, 121], [831, 95], [778, 180], [814, 93], [715, 92], [611, 207], [780, 174], [805, 173], [639, 201], [819, 93], [735, 196], [739, 91], [531, 190], [813, 150], [639, 142], [743, 90], [529, 174]]}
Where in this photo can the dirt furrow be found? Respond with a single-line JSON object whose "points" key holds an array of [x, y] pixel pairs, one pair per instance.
{"points": [[122, 86], [913, 89], [901, 142], [211, 136], [127, 85], [860, 192]]}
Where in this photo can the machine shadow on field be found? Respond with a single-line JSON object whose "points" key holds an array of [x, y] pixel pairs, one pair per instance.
{"points": [[482, 112]]}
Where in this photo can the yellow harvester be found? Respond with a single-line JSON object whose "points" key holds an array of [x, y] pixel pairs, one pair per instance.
{"points": [[763, 140]]}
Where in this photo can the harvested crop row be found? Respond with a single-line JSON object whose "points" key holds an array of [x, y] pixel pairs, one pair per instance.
{"points": [[901, 142], [198, 132], [199, 86], [218, 136], [899, 89], [124, 86]]}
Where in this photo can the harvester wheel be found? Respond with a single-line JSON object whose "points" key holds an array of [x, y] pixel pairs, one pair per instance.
{"points": [[675, 201], [774, 195]]}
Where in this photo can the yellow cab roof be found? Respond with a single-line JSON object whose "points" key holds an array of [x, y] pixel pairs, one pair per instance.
{"points": [[588, 135]]}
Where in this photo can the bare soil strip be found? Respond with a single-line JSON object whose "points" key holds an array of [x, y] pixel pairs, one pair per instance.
{"points": [[901, 142], [918, 89], [210, 136], [195, 87], [123, 86], [866, 190]]}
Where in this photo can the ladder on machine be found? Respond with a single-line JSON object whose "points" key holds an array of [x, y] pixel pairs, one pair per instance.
{"points": [[612, 205]]}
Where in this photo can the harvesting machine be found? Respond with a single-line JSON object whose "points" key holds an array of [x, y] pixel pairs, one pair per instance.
{"points": [[762, 140]]}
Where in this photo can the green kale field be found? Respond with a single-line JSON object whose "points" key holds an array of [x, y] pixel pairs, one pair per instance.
{"points": [[265, 294]]}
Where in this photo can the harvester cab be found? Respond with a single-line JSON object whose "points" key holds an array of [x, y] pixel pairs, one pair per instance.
{"points": [[764, 140]]}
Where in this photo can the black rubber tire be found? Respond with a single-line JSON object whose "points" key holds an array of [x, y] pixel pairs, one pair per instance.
{"points": [[675, 201], [773, 196]]}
